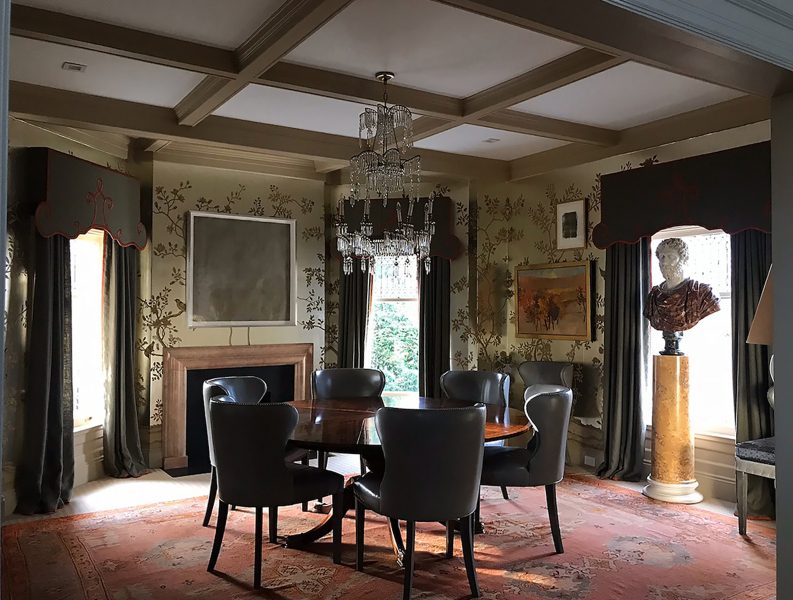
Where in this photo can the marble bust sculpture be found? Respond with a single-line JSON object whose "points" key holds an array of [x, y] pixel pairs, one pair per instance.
{"points": [[678, 303]]}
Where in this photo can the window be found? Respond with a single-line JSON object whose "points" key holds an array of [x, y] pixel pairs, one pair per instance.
{"points": [[709, 344], [88, 376], [393, 334]]}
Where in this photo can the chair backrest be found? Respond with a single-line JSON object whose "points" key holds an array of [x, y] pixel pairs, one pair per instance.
{"points": [[433, 461], [548, 407], [250, 451], [243, 389], [347, 383], [547, 372], [476, 386]]}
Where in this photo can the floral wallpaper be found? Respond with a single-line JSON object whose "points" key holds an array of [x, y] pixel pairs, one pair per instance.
{"points": [[179, 189]]}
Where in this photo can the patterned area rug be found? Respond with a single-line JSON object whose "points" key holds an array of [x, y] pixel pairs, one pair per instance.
{"points": [[619, 545]]}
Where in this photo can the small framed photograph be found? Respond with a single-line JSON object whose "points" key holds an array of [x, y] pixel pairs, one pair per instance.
{"points": [[571, 225]]}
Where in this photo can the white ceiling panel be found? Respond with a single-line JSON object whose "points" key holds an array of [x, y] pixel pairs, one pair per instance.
{"points": [[428, 45], [625, 96], [212, 22], [293, 109], [110, 76], [488, 143]]}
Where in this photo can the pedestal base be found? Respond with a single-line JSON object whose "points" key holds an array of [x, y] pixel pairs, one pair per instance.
{"points": [[676, 493]]}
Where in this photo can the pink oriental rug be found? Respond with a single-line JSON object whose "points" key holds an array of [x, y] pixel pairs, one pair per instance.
{"points": [[619, 546]]}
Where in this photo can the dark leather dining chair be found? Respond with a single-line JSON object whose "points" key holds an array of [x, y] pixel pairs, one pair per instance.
{"points": [[548, 372], [541, 463], [435, 477], [242, 389], [328, 384], [478, 386], [250, 443]]}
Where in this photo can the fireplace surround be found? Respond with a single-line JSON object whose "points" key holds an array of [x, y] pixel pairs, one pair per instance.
{"points": [[178, 361]]}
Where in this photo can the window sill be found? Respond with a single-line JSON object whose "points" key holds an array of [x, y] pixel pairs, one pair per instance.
{"points": [[85, 428], [711, 436]]}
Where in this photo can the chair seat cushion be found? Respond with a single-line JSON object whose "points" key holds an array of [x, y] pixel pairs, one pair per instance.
{"points": [[759, 451], [311, 482], [367, 490], [506, 465]]}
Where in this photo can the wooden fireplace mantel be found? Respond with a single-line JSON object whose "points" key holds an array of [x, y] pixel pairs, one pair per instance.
{"points": [[177, 361]]}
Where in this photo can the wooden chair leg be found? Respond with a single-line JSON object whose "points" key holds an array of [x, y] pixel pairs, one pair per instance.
{"points": [[467, 539], [322, 463], [743, 500], [363, 466], [504, 492], [257, 550], [410, 547], [213, 488], [553, 514], [233, 507], [338, 514], [449, 539], [304, 504], [360, 515], [220, 528], [273, 511]]}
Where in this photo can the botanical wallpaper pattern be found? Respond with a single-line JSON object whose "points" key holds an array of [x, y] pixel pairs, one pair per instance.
{"points": [[179, 189]]}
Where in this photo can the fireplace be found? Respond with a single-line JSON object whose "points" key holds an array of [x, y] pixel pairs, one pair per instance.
{"points": [[186, 368]]}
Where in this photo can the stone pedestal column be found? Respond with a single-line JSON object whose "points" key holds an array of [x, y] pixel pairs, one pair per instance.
{"points": [[672, 478]]}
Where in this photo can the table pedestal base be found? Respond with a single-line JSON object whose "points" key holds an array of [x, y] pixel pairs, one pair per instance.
{"points": [[676, 493]]}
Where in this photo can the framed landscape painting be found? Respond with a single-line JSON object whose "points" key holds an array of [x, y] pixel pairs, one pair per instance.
{"points": [[553, 301], [241, 271]]}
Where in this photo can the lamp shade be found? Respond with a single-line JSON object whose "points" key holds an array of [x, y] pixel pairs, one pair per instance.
{"points": [[762, 329]]}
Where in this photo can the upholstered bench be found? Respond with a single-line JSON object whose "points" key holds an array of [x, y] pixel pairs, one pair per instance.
{"points": [[755, 457]]}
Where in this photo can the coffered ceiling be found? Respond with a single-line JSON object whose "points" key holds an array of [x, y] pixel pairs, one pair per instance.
{"points": [[520, 89]]}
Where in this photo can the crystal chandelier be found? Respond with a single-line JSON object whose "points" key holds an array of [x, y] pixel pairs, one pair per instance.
{"points": [[382, 169]]}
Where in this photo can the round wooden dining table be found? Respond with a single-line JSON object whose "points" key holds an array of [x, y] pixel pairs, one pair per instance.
{"points": [[347, 425]]}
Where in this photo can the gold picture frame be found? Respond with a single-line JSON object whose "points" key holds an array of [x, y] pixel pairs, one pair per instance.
{"points": [[554, 301]]}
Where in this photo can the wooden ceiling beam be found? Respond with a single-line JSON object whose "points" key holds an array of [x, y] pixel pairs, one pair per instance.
{"points": [[613, 30], [520, 122], [67, 30], [74, 109], [293, 22], [719, 117], [548, 77], [341, 86]]}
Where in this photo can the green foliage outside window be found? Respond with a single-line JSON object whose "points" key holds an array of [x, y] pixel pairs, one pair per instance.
{"points": [[395, 347]]}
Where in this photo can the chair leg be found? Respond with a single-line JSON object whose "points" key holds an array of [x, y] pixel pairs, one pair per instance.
{"points": [[743, 500], [338, 514], [257, 551], [273, 511], [363, 466], [410, 547], [233, 507], [449, 539], [220, 528], [504, 492], [304, 504], [322, 463], [360, 515], [553, 514], [467, 539], [213, 488]]}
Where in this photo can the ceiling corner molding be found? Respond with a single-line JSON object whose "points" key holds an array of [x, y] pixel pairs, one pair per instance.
{"points": [[754, 27]]}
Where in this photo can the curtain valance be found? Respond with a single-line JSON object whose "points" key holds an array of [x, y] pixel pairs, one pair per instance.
{"points": [[77, 195], [728, 190]]}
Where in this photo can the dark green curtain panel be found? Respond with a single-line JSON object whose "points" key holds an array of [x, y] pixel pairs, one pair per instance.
{"points": [[45, 472], [434, 325], [626, 349], [354, 294], [751, 260], [123, 456]]}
